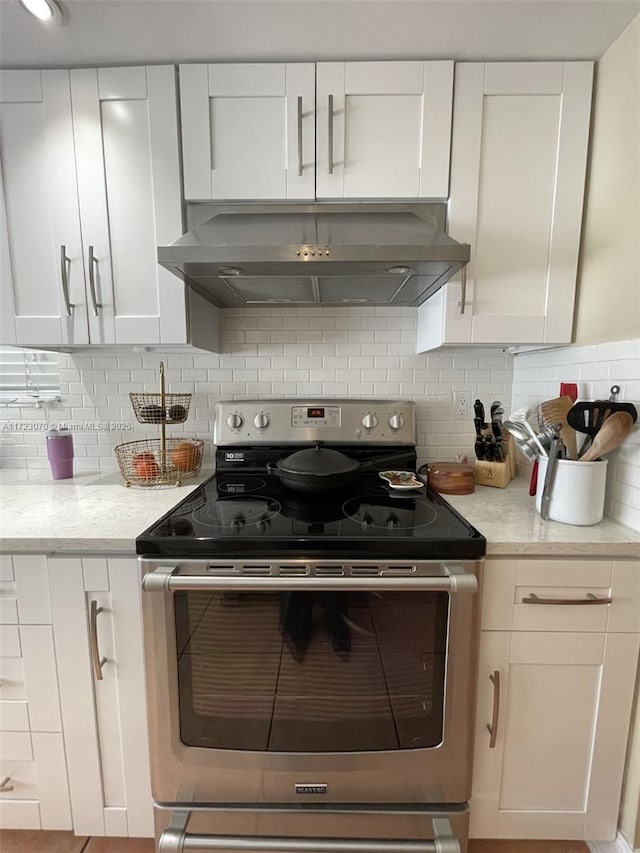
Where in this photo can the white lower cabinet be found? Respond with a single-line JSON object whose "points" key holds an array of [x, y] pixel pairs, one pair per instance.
{"points": [[97, 626], [556, 684], [33, 775]]}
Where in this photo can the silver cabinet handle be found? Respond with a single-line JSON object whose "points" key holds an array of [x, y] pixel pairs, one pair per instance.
{"points": [[93, 263], [5, 787], [492, 727], [590, 599], [463, 289], [64, 278], [300, 137], [98, 662], [330, 135], [175, 839]]}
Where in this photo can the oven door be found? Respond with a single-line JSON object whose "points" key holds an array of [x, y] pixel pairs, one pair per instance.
{"points": [[266, 686]]}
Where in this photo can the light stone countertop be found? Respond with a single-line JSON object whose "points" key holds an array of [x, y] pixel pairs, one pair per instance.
{"points": [[511, 526], [94, 513]]}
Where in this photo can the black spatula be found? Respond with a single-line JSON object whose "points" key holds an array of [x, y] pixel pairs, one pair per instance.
{"points": [[587, 417]]}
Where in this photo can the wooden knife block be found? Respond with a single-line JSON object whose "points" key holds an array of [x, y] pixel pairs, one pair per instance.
{"points": [[498, 474]]}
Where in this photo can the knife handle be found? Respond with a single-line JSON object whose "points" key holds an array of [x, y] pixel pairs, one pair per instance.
{"points": [[478, 409], [477, 422], [479, 447]]}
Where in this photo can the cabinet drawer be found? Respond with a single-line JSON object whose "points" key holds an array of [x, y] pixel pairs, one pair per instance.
{"points": [[35, 770], [561, 595], [14, 716], [12, 684], [8, 604]]}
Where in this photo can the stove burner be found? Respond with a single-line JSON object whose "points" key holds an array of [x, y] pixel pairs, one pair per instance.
{"points": [[240, 487], [374, 511], [239, 512]]}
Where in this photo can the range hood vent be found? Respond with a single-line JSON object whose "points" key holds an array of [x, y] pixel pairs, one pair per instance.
{"points": [[317, 254]]}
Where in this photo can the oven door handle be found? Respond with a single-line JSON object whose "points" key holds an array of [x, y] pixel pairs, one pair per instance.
{"points": [[175, 839], [166, 579]]}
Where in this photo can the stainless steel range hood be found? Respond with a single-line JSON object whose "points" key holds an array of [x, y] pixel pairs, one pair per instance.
{"points": [[325, 254]]}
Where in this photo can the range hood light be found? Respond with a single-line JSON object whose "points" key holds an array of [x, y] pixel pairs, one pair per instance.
{"points": [[358, 301], [399, 271], [223, 271], [46, 11]]}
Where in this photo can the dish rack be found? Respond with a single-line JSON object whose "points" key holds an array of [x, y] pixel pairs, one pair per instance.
{"points": [[160, 461]]}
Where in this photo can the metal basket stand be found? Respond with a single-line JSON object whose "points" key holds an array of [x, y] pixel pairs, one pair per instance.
{"points": [[163, 461]]}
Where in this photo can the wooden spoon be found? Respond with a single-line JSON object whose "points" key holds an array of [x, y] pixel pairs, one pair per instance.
{"points": [[611, 435]]}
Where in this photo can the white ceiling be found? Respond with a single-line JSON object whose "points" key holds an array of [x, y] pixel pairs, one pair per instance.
{"points": [[112, 32]]}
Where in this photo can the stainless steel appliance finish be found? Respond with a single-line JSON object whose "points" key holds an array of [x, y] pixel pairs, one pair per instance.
{"points": [[324, 253], [311, 661]]}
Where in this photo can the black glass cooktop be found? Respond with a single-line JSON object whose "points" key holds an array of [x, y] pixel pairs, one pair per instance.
{"points": [[254, 515]]}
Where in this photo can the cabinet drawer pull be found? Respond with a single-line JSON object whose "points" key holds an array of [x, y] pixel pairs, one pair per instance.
{"points": [[64, 277], [300, 137], [492, 727], [93, 263], [5, 787], [98, 662], [330, 137], [590, 599]]}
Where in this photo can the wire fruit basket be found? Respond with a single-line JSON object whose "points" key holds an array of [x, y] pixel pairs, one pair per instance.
{"points": [[160, 461], [153, 409], [147, 463]]}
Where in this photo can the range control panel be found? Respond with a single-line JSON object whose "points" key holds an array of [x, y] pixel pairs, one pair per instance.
{"points": [[300, 421]]}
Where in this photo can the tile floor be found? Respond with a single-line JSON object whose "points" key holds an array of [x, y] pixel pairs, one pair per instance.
{"points": [[25, 841]]}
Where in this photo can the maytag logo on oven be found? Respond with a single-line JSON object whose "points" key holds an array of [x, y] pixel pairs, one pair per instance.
{"points": [[312, 789]]}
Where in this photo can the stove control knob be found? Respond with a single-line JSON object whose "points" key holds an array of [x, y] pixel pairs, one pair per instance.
{"points": [[235, 421], [261, 421], [396, 422], [369, 421]]}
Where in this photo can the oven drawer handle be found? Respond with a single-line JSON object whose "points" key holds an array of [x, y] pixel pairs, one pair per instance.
{"points": [[175, 839], [165, 579]]}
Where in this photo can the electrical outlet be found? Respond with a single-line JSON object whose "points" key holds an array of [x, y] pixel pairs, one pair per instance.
{"points": [[461, 405]]}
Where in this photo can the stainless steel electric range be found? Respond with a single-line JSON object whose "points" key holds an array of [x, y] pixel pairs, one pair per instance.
{"points": [[310, 636]]}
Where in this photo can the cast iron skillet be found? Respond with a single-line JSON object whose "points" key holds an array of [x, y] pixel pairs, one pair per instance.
{"points": [[318, 468]]}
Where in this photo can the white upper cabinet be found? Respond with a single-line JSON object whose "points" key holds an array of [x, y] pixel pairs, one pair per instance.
{"points": [[248, 131], [304, 131], [42, 267], [518, 163], [91, 186], [384, 129], [126, 137]]}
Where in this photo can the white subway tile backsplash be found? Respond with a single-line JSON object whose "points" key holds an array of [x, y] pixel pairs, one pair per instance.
{"points": [[327, 352]]}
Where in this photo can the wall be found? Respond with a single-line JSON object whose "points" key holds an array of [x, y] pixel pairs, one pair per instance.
{"points": [[355, 352], [608, 307]]}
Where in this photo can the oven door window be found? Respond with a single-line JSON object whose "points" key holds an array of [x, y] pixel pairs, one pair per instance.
{"points": [[311, 671]]}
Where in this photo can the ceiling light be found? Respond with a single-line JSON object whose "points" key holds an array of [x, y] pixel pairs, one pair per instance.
{"points": [[46, 11]]}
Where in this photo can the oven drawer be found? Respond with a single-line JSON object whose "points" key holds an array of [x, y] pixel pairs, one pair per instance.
{"points": [[561, 595], [351, 830]]}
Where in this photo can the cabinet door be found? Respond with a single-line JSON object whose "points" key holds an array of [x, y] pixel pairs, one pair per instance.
{"points": [[34, 793], [518, 163], [125, 126], [100, 665], [248, 131], [560, 736], [384, 129], [43, 294]]}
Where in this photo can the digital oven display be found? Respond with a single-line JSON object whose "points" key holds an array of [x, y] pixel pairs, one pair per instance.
{"points": [[315, 413]]}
